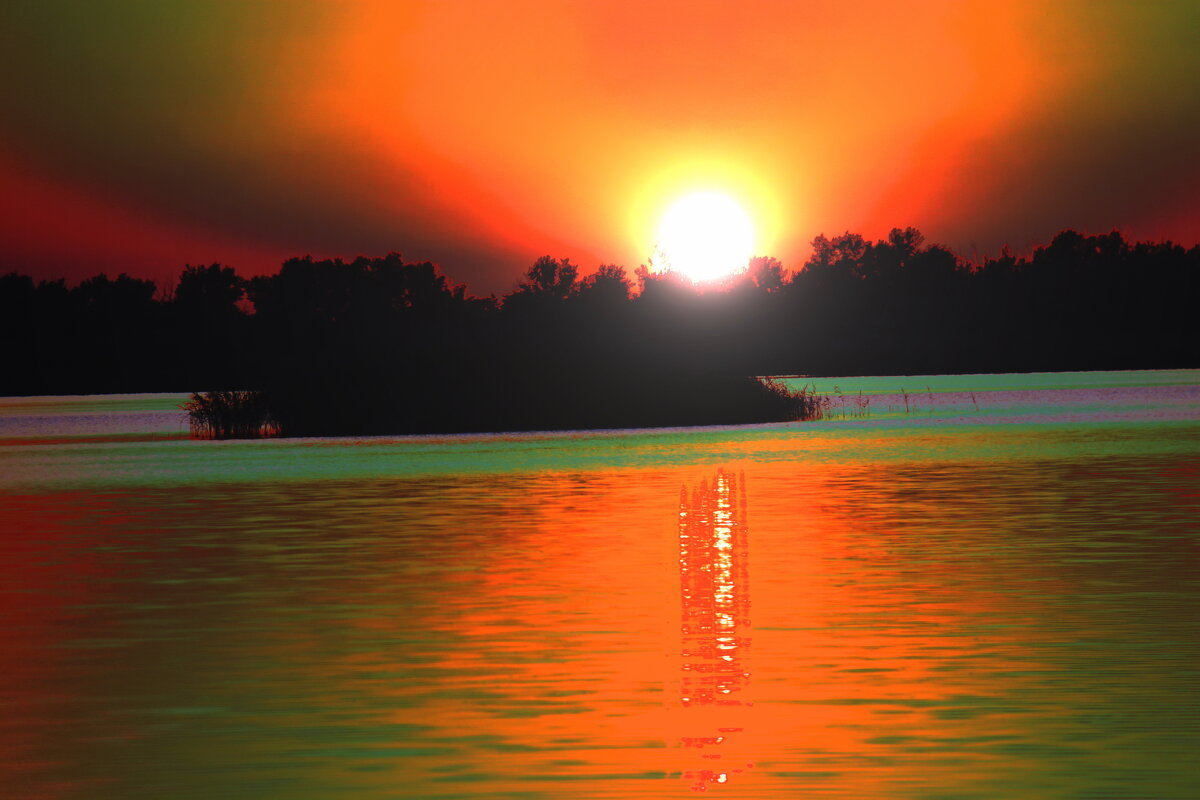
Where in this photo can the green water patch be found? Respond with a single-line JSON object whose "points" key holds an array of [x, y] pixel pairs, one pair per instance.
{"points": [[185, 462], [993, 382]]}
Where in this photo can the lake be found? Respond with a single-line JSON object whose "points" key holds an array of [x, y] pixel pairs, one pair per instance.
{"points": [[977, 586]]}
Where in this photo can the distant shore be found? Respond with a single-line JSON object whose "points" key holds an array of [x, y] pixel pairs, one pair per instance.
{"points": [[380, 345]]}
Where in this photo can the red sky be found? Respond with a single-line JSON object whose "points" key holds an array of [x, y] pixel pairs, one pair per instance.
{"points": [[142, 136]]}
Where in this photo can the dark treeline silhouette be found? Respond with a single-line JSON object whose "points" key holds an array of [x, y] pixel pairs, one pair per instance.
{"points": [[379, 345]]}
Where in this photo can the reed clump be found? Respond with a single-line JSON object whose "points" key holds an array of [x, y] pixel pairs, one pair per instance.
{"points": [[802, 404], [230, 415]]}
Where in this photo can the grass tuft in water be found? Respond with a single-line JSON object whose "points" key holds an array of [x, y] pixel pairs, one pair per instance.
{"points": [[230, 415]]}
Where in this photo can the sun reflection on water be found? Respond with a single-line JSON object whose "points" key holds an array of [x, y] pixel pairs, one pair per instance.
{"points": [[715, 625]]}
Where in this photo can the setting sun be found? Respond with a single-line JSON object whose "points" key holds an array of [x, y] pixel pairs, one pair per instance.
{"points": [[705, 236]]}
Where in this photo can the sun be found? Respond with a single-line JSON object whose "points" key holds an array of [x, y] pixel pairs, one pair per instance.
{"points": [[705, 236]]}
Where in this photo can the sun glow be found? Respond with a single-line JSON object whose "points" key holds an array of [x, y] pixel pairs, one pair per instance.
{"points": [[705, 236]]}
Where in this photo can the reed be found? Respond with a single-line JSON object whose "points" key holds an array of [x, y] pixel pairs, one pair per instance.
{"points": [[863, 404], [230, 415]]}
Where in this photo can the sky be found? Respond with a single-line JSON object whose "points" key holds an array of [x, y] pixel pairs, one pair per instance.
{"points": [[141, 136]]}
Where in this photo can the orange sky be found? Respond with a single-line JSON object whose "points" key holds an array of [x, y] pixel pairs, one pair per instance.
{"points": [[481, 135]]}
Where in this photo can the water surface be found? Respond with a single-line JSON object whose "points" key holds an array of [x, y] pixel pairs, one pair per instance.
{"points": [[974, 599]]}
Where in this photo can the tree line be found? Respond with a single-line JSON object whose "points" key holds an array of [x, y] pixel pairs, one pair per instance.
{"points": [[351, 346]]}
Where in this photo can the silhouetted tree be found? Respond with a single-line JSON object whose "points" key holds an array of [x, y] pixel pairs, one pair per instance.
{"points": [[766, 273], [550, 277], [208, 291], [608, 284], [210, 328]]}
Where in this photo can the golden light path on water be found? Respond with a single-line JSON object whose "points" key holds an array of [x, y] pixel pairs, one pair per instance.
{"points": [[885, 609]]}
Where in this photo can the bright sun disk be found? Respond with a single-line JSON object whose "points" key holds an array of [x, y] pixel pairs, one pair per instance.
{"points": [[705, 236]]}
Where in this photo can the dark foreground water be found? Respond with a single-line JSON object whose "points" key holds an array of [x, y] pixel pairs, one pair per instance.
{"points": [[990, 595]]}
